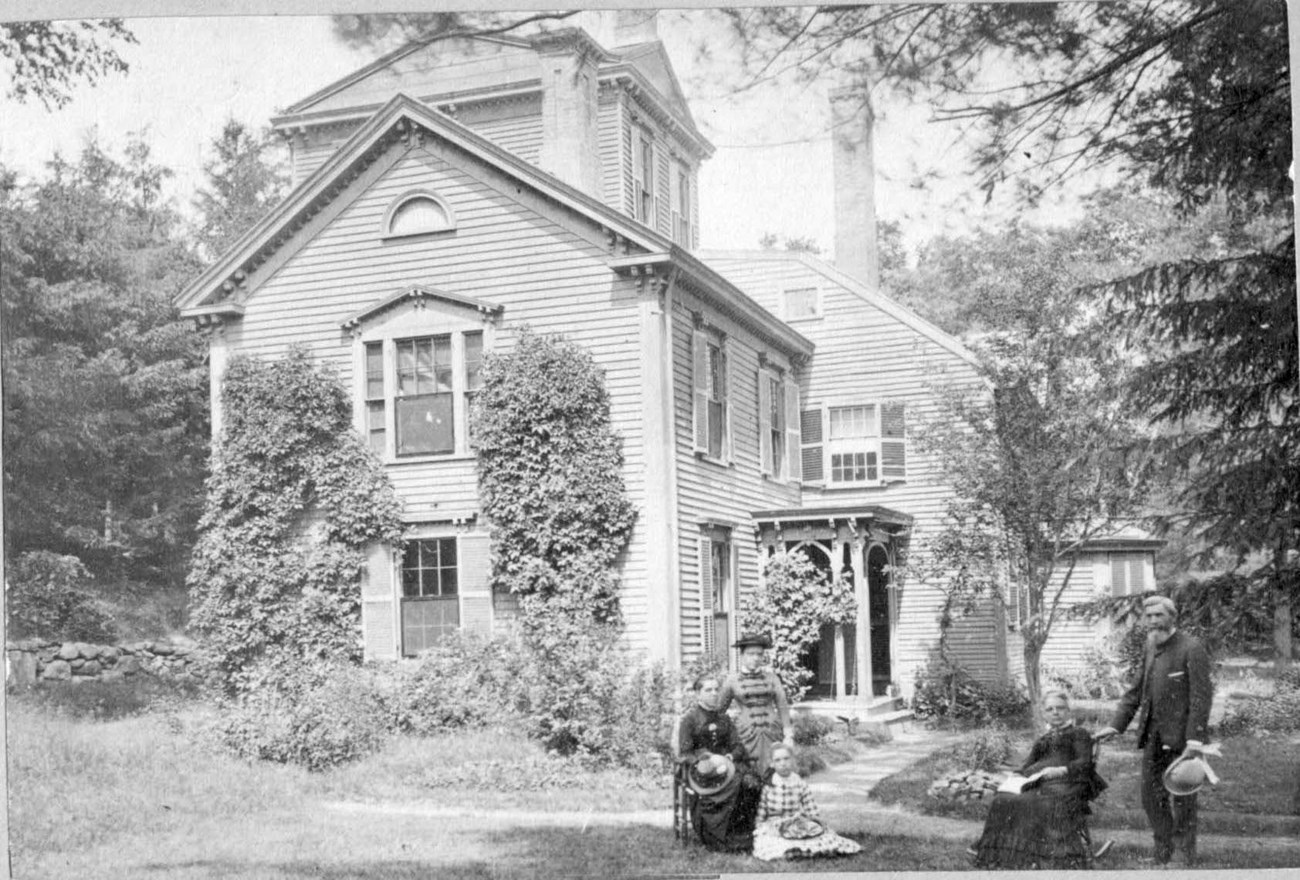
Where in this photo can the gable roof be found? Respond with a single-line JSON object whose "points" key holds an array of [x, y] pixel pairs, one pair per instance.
{"points": [[402, 117], [894, 309]]}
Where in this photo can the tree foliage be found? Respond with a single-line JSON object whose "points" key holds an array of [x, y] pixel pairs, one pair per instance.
{"points": [[47, 58], [244, 181], [791, 605], [387, 31], [105, 404], [551, 477], [294, 499]]}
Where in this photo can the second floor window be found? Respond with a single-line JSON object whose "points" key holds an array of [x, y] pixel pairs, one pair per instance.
{"points": [[712, 381], [854, 445], [643, 177], [680, 198], [778, 425]]}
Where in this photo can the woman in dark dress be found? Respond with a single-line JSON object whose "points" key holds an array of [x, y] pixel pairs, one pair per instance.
{"points": [[764, 717], [719, 771], [1044, 825]]}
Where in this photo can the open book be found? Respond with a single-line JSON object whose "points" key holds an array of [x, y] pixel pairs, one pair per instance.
{"points": [[1015, 783]]}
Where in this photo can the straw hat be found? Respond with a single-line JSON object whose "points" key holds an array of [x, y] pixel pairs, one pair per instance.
{"points": [[710, 775], [1186, 776]]}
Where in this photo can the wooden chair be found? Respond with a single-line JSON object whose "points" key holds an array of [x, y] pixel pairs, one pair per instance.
{"points": [[683, 803]]}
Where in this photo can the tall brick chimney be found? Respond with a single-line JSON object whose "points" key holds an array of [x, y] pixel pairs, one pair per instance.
{"points": [[856, 250], [570, 146]]}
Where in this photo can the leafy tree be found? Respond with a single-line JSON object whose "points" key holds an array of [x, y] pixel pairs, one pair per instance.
{"points": [[105, 404], [243, 183], [792, 604], [389, 30], [294, 499], [1191, 97], [46, 58]]}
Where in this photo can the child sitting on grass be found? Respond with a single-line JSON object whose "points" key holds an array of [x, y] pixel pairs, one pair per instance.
{"points": [[789, 823]]}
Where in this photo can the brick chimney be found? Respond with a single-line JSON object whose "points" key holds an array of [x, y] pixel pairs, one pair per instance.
{"points": [[570, 147], [633, 26], [856, 250]]}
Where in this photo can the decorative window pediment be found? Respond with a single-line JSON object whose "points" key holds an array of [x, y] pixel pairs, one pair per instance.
{"points": [[419, 295], [418, 212]]}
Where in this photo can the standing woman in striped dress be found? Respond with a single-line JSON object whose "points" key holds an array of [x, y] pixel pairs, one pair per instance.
{"points": [[764, 718]]}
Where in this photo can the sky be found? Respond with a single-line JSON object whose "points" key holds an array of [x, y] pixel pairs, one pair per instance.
{"points": [[771, 172]]}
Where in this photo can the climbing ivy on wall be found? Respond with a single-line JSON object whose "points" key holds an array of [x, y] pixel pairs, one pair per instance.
{"points": [[293, 499], [550, 471]]}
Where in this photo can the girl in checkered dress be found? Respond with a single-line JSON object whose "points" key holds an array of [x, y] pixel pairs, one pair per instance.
{"points": [[789, 823]]}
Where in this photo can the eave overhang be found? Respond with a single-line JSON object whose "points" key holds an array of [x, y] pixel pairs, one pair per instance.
{"points": [[719, 292]]}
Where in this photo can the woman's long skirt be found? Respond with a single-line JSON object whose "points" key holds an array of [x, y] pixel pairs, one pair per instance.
{"points": [[724, 820], [1040, 828]]}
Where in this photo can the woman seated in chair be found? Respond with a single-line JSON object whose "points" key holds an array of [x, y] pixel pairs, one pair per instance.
{"points": [[789, 823], [719, 773], [1044, 825]]}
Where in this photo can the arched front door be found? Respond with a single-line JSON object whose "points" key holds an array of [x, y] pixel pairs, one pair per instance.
{"points": [[878, 617]]}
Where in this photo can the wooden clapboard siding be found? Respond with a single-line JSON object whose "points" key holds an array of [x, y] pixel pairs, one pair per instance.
{"points": [[309, 153], [864, 351], [442, 67], [1070, 640], [710, 492], [516, 127], [540, 264]]}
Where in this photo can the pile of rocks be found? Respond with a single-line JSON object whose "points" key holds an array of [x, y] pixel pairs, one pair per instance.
{"points": [[969, 785], [38, 659]]}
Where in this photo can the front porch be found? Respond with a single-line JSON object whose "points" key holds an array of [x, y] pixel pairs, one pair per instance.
{"points": [[859, 544]]}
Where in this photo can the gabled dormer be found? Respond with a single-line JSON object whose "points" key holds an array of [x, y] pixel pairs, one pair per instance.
{"points": [[612, 123]]}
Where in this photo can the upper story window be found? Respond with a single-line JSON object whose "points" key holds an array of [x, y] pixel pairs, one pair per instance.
{"points": [[416, 213], [778, 425], [680, 201], [858, 444], [1128, 574], [803, 302], [419, 365], [711, 373], [643, 176]]}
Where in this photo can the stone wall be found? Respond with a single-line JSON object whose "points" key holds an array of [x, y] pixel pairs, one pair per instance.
{"points": [[34, 660]]}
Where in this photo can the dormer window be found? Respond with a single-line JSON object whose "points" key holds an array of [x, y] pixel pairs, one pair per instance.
{"points": [[417, 213]]}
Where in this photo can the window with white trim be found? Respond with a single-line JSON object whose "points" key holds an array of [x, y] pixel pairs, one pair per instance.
{"points": [[712, 381], [418, 393], [417, 213], [1128, 573], [430, 587], [803, 302], [679, 198], [718, 599], [853, 444], [643, 176], [778, 425]]}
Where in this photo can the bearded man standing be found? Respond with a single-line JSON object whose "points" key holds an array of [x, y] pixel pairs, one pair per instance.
{"points": [[1174, 694]]}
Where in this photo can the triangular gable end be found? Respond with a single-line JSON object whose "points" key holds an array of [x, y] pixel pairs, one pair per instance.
{"points": [[364, 157], [651, 59]]}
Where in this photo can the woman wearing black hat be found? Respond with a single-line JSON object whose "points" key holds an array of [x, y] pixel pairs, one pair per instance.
{"points": [[764, 717], [718, 770]]}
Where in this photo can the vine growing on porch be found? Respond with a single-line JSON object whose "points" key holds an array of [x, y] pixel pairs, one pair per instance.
{"points": [[293, 499], [794, 601]]}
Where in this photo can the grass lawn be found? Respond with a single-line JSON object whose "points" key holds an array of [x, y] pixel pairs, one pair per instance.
{"points": [[147, 796], [1254, 797]]}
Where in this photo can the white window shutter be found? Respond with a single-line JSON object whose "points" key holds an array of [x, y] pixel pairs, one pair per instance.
{"points": [[706, 596], [474, 568], [734, 606], [729, 392], [893, 443], [765, 423], [793, 438], [812, 446], [700, 379], [378, 630]]}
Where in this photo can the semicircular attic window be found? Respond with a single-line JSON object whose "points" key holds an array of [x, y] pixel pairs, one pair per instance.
{"points": [[416, 214]]}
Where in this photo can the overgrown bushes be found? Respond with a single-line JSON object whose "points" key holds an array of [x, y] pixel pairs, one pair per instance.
{"points": [[46, 599], [950, 693], [987, 749], [1279, 712]]}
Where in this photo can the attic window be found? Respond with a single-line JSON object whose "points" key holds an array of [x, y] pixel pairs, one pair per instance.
{"points": [[417, 213]]}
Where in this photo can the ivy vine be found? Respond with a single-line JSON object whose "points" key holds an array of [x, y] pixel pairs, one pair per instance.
{"points": [[293, 500]]}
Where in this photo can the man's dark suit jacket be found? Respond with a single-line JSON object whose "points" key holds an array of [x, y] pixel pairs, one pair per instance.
{"points": [[1174, 694]]}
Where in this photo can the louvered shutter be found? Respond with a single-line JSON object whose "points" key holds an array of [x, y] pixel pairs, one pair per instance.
{"points": [[893, 444], [1119, 583], [473, 568], [700, 380], [729, 374], [379, 638], [793, 430], [765, 423], [810, 445], [706, 597], [1137, 570]]}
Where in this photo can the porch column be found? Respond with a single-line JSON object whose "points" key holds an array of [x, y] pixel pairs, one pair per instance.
{"points": [[841, 667], [866, 686]]}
